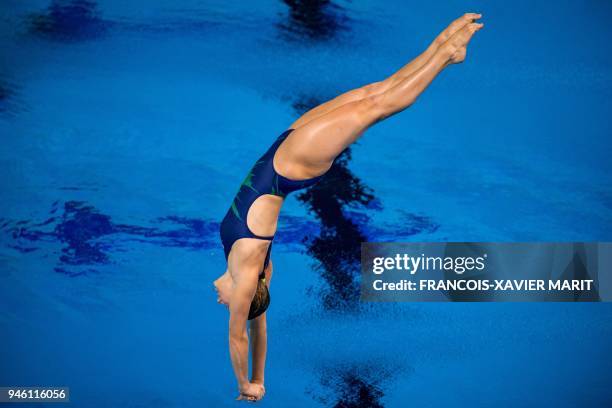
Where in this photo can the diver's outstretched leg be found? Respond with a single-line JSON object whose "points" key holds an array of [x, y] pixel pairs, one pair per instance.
{"points": [[310, 150], [381, 86]]}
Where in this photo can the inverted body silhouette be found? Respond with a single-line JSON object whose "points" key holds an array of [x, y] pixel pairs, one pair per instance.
{"points": [[296, 159]]}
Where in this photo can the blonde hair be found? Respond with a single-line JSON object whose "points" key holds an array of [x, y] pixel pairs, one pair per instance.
{"points": [[261, 299]]}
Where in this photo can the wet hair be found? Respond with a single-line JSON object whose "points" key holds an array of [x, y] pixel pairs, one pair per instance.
{"points": [[260, 301]]}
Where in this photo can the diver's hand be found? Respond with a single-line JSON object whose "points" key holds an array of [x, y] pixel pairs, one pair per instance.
{"points": [[251, 392]]}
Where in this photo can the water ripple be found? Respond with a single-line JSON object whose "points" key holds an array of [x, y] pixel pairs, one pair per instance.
{"points": [[89, 237]]}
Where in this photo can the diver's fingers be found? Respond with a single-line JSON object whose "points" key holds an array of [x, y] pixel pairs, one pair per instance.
{"points": [[243, 397]]}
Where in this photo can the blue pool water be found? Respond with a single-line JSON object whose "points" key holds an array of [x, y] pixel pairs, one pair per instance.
{"points": [[126, 128]]}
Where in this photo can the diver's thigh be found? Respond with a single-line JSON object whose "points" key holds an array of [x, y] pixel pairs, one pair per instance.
{"points": [[315, 145]]}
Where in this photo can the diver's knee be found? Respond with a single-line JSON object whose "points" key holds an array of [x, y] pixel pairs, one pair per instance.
{"points": [[372, 89]]}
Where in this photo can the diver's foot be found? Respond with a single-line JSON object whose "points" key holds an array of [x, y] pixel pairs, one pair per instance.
{"points": [[456, 46], [455, 26]]}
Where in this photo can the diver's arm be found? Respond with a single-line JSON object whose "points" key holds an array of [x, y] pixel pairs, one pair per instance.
{"points": [[259, 340], [244, 290]]}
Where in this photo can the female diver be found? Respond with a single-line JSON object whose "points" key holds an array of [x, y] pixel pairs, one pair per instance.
{"points": [[297, 159]]}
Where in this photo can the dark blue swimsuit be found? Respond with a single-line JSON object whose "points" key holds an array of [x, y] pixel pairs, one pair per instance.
{"points": [[262, 179]]}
